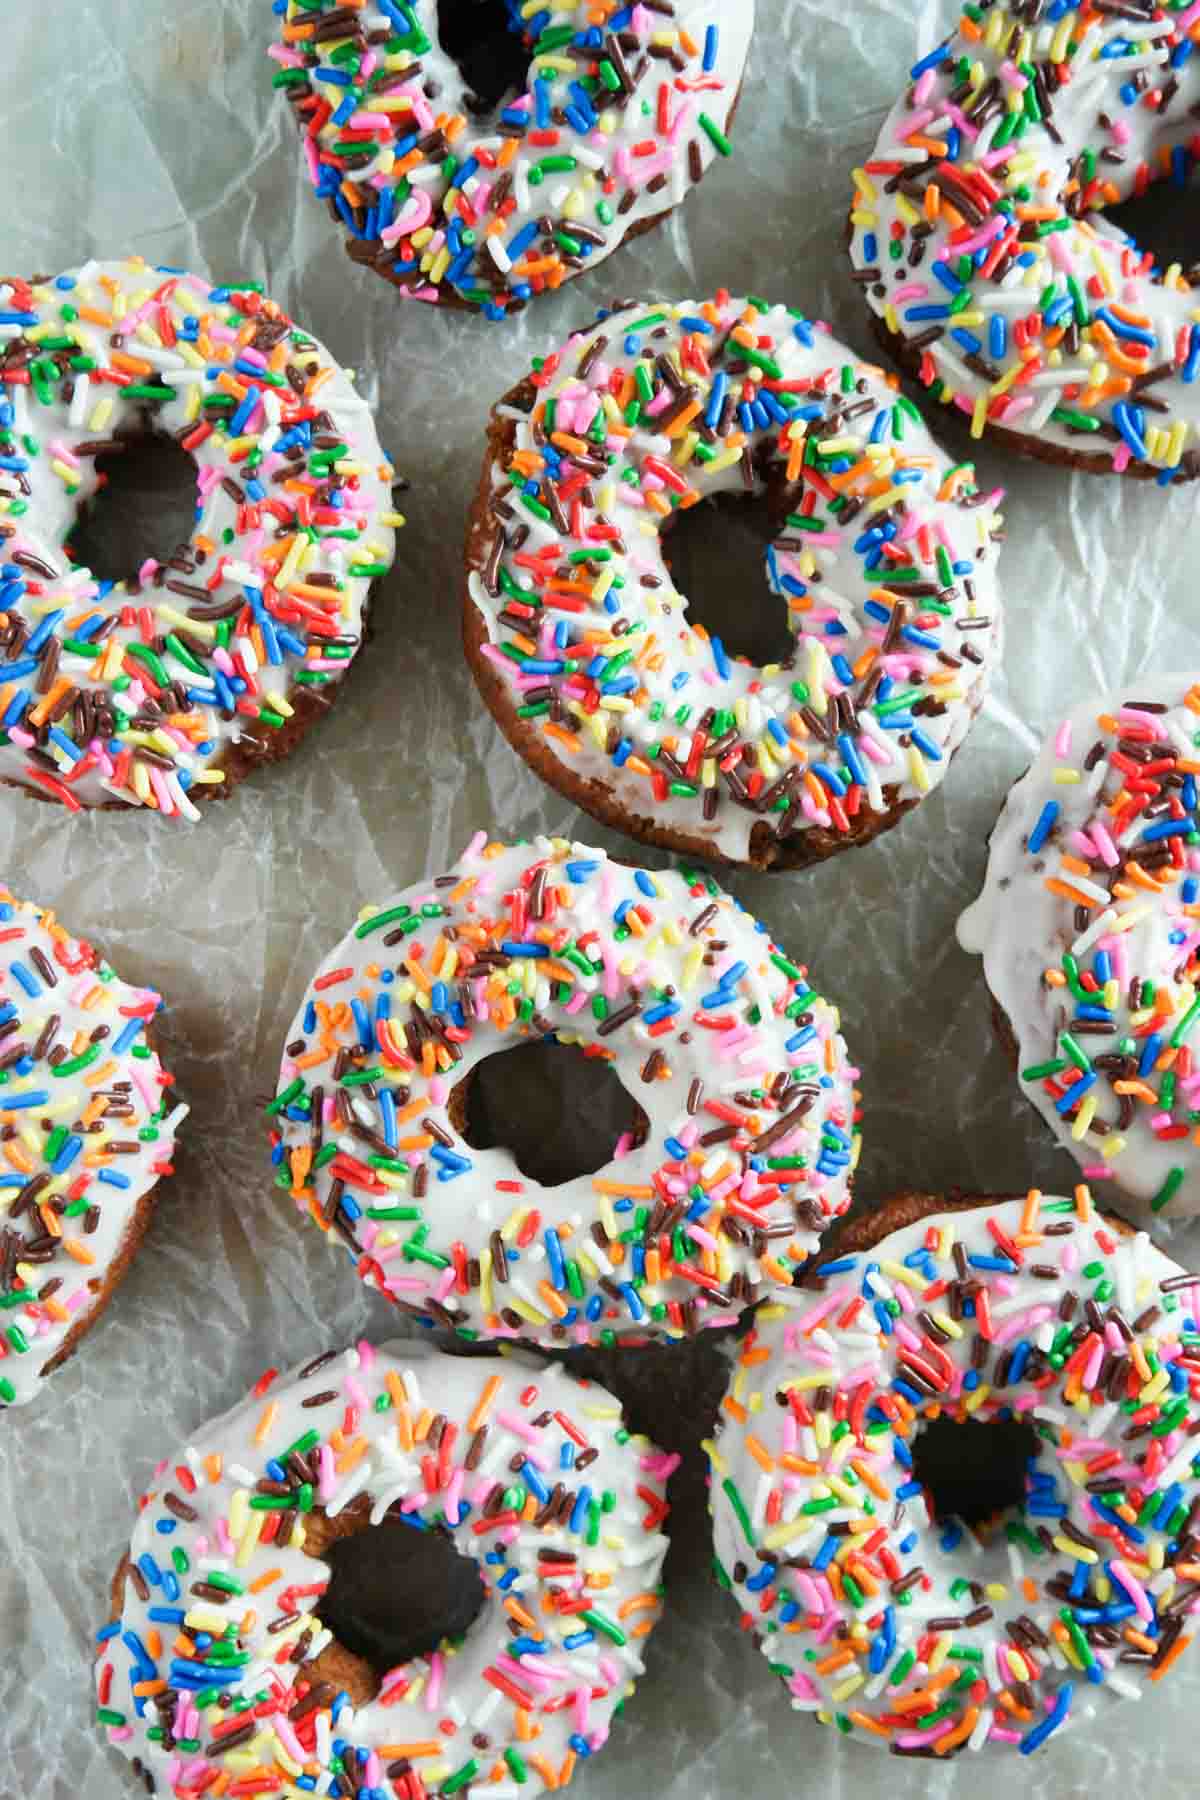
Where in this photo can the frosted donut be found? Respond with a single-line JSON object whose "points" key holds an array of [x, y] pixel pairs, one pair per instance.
{"points": [[615, 116], [582, 646], [922, 1634], [735, 1061], [217, 1604], [1089, 926], [87, 1128], [168, 687], [975, 236]]}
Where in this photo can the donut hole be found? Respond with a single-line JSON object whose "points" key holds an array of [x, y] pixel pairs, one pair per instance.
{"points": [[145, 506], [395, 1592], [558, 1111], [1163, 220], [716, 553], [973, 1469], [491, 57]]}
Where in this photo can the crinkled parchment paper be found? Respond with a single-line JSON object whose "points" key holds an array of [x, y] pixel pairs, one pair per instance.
{"points": [[151, 126]]}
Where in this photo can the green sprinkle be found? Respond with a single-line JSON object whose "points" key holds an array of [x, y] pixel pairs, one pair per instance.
{"points": [[739, 1507], [598, 1622], [1168, 1190], [461, 1777], [718, 140], [290, 1093]]}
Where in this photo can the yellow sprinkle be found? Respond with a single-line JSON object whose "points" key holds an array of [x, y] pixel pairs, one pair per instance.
{"points": [[1084, 1117], [1079, 1552]]}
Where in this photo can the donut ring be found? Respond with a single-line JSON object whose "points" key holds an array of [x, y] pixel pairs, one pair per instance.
{"points": [[1087, 929], [89, 1129], [926, 1638], [466, 206], [737, 1065], [973, 232], [227, 1555], [169, 687], [589, 663]]}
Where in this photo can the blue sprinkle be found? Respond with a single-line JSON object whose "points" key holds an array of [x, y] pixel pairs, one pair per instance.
{"points": [[1044, 826], [1054, 1718]]}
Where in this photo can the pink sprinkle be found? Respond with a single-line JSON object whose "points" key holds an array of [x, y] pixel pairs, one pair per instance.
{"points": [[328, 1480], [1133, 1588], [913, 124]]}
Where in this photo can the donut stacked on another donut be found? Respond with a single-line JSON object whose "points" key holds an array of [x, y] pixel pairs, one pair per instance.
{"points": [[1089, 928], [582, 646], [736, 1063], [974, 236], [217, 1667], [621, 111], [87, 1128], [168, 687], [916, 1633]]}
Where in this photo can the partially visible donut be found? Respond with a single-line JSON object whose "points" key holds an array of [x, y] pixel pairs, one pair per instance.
{"points": [[883, 565], [619, 112], [166, 688], [977, 236], [1089, 929], [921, 1634], [217, 1672], [747, 1139], [87, 1129]]}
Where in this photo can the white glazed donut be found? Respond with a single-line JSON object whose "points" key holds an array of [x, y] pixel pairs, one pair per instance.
{"points": [[1089, 925], [884, 567], [611, 127], [921, 1634], [736, 1062], [87, 1128], [975, 235], [531, 1474], [169, 686]]}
